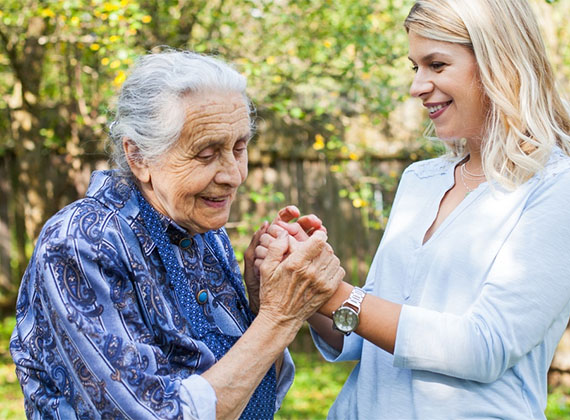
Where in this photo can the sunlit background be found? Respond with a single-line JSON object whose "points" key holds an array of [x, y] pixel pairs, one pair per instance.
{"points": [[335, 125]]}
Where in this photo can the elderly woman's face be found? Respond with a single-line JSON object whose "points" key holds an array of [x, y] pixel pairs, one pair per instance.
{"points": [[196, 182]]}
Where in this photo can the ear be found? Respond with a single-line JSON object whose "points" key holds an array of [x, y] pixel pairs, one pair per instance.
{"points": [[137, 164]]}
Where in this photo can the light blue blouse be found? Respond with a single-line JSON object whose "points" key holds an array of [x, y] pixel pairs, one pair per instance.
{"points": [[100, 333], [485, 301]]}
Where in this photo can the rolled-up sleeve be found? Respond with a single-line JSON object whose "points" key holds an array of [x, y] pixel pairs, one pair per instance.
{"points": [[198, 399], [351, 349], [285, 379]]}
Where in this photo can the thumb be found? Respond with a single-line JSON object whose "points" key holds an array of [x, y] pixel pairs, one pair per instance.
{"points": [[276, 252], [278, 248], [309, 249], [287, 214]]}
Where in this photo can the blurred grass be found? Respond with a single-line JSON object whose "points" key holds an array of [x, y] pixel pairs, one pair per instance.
{"points": [[558, 407], [315, 387], [11, 399]]}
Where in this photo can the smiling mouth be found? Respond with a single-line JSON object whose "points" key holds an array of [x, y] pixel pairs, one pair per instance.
{"points": [[216, 199], [433, 109]]}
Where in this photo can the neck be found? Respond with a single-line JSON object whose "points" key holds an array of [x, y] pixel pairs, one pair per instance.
{"points": [[474, 163]]}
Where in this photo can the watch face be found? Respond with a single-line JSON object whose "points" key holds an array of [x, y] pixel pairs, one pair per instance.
{"points": [[345, 319]]}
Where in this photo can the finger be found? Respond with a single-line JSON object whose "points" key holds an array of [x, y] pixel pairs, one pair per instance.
{"points": [[310, 223], [304, 252], [294, 229], [275, 229], [276, 250], [286, 214], [257, 265], [255, 240], [262, 229], [260, 252], [267, 238], [293, 242], [320, 235]]}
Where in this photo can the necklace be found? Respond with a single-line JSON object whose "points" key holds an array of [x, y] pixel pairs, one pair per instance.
{"points": [[465, 174], [464, 170]]}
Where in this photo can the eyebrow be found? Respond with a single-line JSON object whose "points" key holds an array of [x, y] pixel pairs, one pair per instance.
{"points": [[217, 141], [430, 56]]}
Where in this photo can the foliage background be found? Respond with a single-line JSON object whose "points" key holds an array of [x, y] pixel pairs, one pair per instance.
{"points": [[329, 80]]}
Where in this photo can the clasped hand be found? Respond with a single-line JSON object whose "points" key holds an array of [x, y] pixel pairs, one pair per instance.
{"points": [[291, 267]]}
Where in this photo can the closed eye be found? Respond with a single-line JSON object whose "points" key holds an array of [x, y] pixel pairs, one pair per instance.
{"points": [[240, 146], [437, 65], [207, 154]]}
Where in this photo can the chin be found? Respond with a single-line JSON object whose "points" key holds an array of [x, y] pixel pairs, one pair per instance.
{"points": [[215, 224], [455, 141], [445, 135]]}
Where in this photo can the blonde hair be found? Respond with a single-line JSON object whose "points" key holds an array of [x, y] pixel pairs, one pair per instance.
{"points": [[527, 116]]}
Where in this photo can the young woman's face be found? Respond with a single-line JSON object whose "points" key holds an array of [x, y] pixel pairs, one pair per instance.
{"points": [[196, 182], [447, 81]]}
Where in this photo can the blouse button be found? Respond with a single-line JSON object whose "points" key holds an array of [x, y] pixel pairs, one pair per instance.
{"points": [[202, 297], [185, 243]]}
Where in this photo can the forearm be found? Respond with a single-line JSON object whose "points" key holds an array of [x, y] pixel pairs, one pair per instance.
{"points": [[323, 326], [253, 298], [236, 376], [378, 319]]}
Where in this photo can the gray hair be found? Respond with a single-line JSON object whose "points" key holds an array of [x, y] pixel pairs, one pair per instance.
{"points": [[150, 109]]}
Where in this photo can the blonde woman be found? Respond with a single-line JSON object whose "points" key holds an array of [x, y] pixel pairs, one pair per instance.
{"points": [[469, 293]]}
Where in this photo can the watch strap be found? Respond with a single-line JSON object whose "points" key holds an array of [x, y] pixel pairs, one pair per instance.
{"points": [[355, 299], [353, 302]]}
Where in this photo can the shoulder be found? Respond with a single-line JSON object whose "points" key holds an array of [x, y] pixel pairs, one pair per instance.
{"points": [[430, 167], [108, 203], [558, 166], [551, 185], [113, 191]]}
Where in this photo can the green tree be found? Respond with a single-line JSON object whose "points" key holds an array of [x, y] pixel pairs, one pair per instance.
{"points": [[313, 68]]}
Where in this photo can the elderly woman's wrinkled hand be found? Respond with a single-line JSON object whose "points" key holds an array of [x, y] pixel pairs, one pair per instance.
{"points": [[295, 287], [250, 272], [303, 227], [300, 230], [255, 252]]}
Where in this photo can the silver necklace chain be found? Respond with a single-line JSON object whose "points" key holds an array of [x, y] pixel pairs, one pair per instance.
{"points": [[465, 174], [471, 174]]}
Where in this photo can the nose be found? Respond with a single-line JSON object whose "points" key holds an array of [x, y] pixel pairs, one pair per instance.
{"points": [[420, 85], [231, 171]]}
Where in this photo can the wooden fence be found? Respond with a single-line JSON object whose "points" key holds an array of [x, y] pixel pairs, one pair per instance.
{"points": [[314, 188]]}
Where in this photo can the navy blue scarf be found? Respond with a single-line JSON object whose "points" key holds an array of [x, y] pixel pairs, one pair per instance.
{"points": [[262, 403]]}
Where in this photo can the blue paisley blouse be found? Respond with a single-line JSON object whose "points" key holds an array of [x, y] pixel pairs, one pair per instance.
{"points": [[99, 332]]}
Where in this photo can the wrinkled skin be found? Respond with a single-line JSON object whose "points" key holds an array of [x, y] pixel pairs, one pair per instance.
{"points": [[298, 230], [313, 270]]}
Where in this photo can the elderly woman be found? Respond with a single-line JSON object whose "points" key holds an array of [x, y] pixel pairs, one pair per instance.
{"points": [[133, 304]]}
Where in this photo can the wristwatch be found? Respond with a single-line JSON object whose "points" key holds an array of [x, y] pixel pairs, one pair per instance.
{"points": [[345, 318]]}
